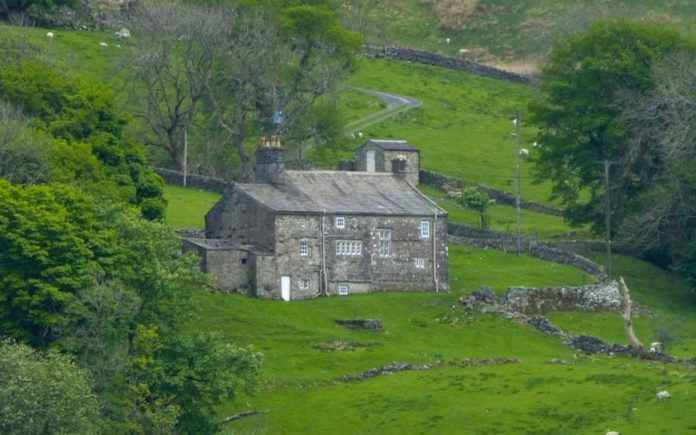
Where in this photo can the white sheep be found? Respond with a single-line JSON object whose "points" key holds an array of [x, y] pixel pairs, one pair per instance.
{"points": [[663, 395], [50, 35], [463, 51], [360, 135], [447, 41], [123, 33], [655, 347], [103, 44], [524, 152], [352, 136], [613, 432]]}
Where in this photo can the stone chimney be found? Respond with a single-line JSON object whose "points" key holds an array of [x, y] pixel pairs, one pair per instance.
{"points": [[400, 166], [270, 161]]}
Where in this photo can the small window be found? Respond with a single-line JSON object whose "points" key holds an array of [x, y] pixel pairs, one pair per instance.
{"points": [[420, 263], [384, 237], [304, 247], [304, 284], [343, 289], [425, 228], [340, 222]]}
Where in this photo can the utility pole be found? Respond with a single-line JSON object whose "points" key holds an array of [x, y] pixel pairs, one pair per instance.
{"points": [[607, 214], [516, 121], [185, 154]]}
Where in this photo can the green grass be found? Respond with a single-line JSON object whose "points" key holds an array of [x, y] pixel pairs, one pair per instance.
{"points": [[502, 218], [464, 127], [512, 29], [668, 314], [303, 392], [186, 208], [78, 50]]}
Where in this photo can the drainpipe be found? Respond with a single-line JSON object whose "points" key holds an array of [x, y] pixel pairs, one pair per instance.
{"points": [[437, 283], [322, 267]]}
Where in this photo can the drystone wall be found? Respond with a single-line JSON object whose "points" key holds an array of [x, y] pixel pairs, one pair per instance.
{"points": [[600, 297], [198, 181], [433, 179], [428, 58]]}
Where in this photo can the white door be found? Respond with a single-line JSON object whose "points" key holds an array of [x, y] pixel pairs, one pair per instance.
{"points": [[285, 287], [371, 161]]}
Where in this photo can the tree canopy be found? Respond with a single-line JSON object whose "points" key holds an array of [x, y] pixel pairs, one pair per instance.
{"points": [[579, 115]]}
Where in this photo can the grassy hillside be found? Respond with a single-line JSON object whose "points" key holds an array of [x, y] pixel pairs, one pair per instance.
{"points": [[464, 127], [541, 387], [510, 30]]}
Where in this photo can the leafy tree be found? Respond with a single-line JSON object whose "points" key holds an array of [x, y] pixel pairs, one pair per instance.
{"points": [[47, 255], [43, 394], [578, 116], [83, 115], [478, 201]]}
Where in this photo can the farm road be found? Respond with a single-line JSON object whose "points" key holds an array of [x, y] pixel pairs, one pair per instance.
{"points": [[396, 104]]}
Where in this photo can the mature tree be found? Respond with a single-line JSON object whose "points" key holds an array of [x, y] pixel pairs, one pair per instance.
{"points": [[169, 69], [578, 116], [660, 162], [273, 61], [43, 394]]}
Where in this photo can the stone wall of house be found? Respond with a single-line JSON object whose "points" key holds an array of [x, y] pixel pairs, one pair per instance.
{"points": [[241, 219], [428, 58], [601, 297], [361, 273], [433, 179]]}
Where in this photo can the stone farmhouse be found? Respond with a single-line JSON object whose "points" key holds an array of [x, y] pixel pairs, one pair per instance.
{"points": [[299, 234]]}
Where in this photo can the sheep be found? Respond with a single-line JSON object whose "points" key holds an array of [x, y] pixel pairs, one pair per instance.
{"points": [[103, 44], [655, 347], [352, 136], [613, 432], [123, 33], [663, 395], [524, 152], [360, 135], [463, 51], [50, 35], [447, 41]]}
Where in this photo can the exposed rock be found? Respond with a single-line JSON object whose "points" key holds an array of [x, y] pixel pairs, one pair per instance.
{"points": [[592, 344], [370, 324], [544, 325]]}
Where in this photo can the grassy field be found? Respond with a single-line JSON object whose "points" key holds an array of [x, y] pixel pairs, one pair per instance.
{"points": [[186, 208], [502, 218], [541, 386], [512, 29], [464, 127]]}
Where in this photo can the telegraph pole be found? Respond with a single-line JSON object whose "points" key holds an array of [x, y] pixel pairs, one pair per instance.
{"points": [[607, 214], [185, 154], [516, 121]]}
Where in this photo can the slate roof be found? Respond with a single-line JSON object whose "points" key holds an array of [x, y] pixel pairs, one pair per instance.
{"points": [[342, 192], [391, 145]]}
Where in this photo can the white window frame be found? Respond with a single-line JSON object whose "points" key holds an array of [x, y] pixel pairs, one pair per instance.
{"points": [[304, 284], [348, 247], [419, 263], [304, 248], [425, 229], [343, 289], [384, 242], [340, 222]]}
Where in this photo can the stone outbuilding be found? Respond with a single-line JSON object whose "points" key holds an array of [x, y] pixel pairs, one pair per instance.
{"points": [[391, 156], [298, 234]]}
